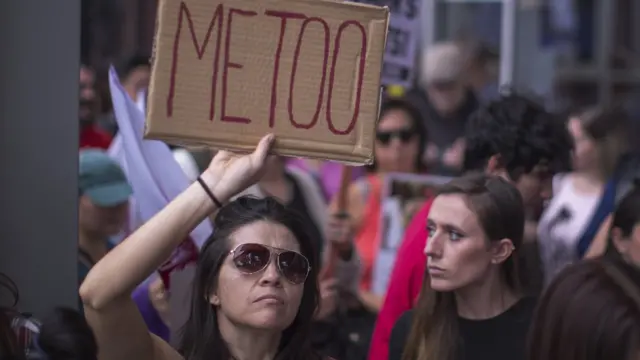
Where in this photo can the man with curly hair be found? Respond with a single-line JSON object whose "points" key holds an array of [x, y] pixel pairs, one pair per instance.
{"points": [[512, 137]]}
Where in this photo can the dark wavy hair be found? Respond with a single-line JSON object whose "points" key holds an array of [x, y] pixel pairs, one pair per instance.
{"points": [[500, 211], [201, 338], [521, 132]]}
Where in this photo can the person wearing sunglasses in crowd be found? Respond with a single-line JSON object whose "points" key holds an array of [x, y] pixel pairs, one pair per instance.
{"points": [[330, 235], [255, 291], [512, 137], [471, 306], [400, 137]]}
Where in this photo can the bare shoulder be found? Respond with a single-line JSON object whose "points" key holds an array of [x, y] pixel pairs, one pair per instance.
{"points": [[163, 351]]}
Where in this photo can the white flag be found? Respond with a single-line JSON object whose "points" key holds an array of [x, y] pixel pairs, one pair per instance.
{"points": [[152, 171]]}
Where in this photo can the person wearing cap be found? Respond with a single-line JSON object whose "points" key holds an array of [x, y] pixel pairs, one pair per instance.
{"points": [[103, 206], [445, 100]]}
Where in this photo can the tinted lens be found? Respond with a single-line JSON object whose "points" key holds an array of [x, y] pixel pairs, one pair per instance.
{"points": [[405, 135], [251, 258], [294, 266], [383, 137]]}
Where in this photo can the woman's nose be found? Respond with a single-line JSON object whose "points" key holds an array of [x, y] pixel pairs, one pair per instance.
{"points": [[395, 143], [271, 274], [433, 248]]}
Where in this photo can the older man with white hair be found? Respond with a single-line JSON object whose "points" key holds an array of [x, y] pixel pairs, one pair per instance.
{"points": [[445, 101]]}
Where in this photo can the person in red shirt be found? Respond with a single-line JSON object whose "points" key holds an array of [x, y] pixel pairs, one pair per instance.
{"points": [[512, 137], [91, 136]]}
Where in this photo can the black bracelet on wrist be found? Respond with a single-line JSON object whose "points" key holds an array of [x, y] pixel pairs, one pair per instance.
{"points": [[208, 191]]}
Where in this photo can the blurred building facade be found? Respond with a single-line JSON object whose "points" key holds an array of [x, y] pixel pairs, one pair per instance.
{"points": [[596, 61], [114, 29]]}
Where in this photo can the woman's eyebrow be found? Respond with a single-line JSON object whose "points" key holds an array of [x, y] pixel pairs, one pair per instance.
{"points": [[445, 225]]}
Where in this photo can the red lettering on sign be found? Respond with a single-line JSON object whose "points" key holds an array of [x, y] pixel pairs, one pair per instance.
{"points": [[283, 15], [359, 81], [296, 55], [200, 49], [217, 21], [228, 64]]}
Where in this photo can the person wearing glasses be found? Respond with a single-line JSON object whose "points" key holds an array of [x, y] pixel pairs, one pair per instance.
{"points": [[255, 290], [400, 138]]}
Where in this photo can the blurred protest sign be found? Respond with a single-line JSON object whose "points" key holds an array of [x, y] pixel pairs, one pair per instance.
{"points": [[403, 195], [402, 40], [226, 72]]}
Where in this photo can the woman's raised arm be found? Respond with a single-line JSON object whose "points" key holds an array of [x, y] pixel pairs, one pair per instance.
{"points": [[106, 291]]}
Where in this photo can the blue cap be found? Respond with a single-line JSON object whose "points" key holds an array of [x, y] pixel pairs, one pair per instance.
{"points": [[102, 179]]}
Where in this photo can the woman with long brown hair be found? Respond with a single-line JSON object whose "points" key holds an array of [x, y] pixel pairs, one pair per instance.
{"points": [[471, 305], [584, 198]]}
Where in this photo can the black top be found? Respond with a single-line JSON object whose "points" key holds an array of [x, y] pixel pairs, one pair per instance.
{"points": [[500, 338]]}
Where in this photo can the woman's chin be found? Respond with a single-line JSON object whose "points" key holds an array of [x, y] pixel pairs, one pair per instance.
{"points": [[270, 320], [442, 285]]}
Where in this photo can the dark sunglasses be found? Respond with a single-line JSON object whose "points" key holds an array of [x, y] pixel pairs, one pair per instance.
{"points": [[253, 258], [404, 135]]}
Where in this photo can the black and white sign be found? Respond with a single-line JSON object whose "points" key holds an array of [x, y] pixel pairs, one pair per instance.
{"points": [[402, 40]]}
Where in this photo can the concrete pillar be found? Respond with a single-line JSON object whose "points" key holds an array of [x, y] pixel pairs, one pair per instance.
{"points": [[39, 62]]}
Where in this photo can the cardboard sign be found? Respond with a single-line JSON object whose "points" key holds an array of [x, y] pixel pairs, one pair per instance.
{"points": [[226, 72], [402, 41]]}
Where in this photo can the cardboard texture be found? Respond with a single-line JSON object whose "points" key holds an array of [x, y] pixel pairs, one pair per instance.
{"points": [[226, 72]]}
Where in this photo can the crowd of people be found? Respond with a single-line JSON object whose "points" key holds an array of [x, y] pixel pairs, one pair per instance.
{"points": [[531, 251]]}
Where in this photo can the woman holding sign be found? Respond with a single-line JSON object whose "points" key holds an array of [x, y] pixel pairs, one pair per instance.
{"points": [[255, 290]]}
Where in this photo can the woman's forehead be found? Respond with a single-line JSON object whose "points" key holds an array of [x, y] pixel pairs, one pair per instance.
{"points": [[453, 210], [265, 233], [394, 118]]}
